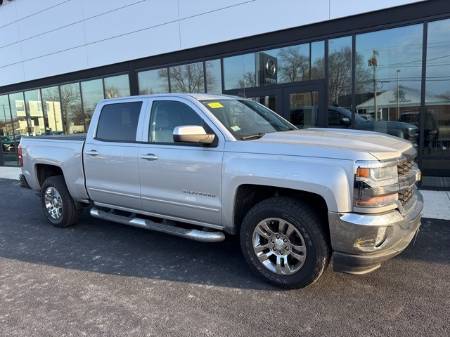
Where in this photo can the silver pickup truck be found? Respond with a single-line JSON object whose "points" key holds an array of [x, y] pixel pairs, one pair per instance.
{"points": [[202, 166]]}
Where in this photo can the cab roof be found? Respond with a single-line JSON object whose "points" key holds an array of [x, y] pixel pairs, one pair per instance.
{"points": [[196, 96]]}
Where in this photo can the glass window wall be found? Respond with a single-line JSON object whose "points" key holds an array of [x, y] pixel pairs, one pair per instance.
{"points": [[213, 77], [239, 71], [317, 60], [19, 117], [340, 72], [52, 110], [292, 64], [33, 105], [388, 80], [8, 142], [117, 86], [72, 109], [153, 81], [91, 93], [187, 78], [436, 126]]}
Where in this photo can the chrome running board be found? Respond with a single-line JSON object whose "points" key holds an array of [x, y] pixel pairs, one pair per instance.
{"points": [[167, 227]]}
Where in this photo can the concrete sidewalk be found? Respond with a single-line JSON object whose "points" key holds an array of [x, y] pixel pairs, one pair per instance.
{"points": [[437, 203], [9, 172]]}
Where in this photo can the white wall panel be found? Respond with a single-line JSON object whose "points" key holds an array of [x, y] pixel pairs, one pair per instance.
{"points": [[63, 62], [250, 19], [12, 74], [140, 16], [8, 34], [8, 14], [161, 39], [119, 30], [10, 55], [30, 7], [189, 8], [51, 19], [44, 44], [342, 8]]}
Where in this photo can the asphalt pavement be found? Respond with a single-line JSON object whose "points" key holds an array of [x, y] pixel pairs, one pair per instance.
{"points": [[104, 279]]}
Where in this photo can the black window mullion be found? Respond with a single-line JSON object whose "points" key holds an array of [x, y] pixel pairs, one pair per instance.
{"points": [[325, 97], [353, 89], [205, 77], [168, 79], [423, 92], [222, 75], [82, 107]]}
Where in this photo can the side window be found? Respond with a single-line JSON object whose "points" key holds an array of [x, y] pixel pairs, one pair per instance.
{"points": [[166, 116], [118, 122]]}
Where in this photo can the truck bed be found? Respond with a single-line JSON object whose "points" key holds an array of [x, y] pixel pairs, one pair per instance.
{"points": [[64, 152], [80, 137]]}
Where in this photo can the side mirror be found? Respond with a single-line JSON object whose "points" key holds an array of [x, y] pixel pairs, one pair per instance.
{"points": [[346, 121], [192, 134]]}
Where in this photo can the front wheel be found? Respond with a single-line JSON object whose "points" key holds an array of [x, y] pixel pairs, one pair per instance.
{"points": [[58, 206], [283, 241]]}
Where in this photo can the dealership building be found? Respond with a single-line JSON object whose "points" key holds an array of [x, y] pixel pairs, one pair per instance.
{"points": [[372, 65]]}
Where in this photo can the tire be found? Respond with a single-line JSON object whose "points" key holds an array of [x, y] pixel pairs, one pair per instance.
{"points": [[306, 236], [69, 209]]}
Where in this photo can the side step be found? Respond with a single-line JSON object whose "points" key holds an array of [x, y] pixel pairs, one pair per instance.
{"points": [[192, 234]]}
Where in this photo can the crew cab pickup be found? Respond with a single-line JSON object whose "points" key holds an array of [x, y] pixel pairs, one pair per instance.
{"points": [[202, 167]]}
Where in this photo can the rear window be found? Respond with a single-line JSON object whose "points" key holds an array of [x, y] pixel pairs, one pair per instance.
{"points": [[118, 122]]}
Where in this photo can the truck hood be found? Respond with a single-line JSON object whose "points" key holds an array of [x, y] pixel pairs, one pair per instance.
{"points": [[331, 143]]}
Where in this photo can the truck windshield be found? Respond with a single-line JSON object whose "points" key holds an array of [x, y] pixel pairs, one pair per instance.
{"points": [[246, 119]]}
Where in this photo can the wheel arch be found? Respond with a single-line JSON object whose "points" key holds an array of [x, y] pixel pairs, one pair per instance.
{"points": [[248, 195], [44, 171]]}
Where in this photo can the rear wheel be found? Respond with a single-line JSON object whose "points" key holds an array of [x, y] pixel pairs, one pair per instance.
{"points": [[57, 204], [283, 241]]}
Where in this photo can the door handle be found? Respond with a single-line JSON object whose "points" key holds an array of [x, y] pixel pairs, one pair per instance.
{"points": [[149, 156], [92, 153]]}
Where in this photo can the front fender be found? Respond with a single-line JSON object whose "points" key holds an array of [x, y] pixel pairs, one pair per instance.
{"points": [[329, 178]]}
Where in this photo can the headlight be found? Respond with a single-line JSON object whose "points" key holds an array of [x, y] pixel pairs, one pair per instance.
{"points": [[376, 186]]}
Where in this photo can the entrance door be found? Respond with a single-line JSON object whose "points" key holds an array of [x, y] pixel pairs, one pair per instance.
{"points": [[302, 104]]}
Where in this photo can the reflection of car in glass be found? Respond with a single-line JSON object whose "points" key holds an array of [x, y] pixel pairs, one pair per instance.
{"points": [[8, 144], [430, 126], [341, 118]]}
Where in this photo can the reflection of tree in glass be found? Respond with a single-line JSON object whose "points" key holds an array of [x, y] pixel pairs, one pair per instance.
{"points": [[210, 78], [340, 74], [71, 105], [292, 65], [111, 92], [248, 80], [186, 78]]}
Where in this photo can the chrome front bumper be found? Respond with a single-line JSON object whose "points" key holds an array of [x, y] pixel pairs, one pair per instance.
{"points": [[361, 242]]}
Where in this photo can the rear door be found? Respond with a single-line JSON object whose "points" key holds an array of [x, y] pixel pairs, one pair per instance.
{"points": [[178, 179], [111, 154]]}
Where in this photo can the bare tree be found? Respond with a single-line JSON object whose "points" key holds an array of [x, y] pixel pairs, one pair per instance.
{"points": [[111, 92], [248, 80], [186, 78], [293, 66], [71, 105]]}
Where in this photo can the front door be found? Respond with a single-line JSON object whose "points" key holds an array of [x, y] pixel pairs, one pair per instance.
{"points": [[179, 180], [302, 104]]}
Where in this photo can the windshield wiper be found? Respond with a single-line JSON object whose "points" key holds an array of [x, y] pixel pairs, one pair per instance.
{"points": [[255, 136]]}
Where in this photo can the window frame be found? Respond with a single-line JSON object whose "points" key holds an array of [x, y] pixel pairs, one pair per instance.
{"points": [[210, 127], [98, 113]]}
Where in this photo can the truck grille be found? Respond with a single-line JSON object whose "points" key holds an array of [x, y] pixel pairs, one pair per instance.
{"points": [[406, 170], [404, 167]]}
